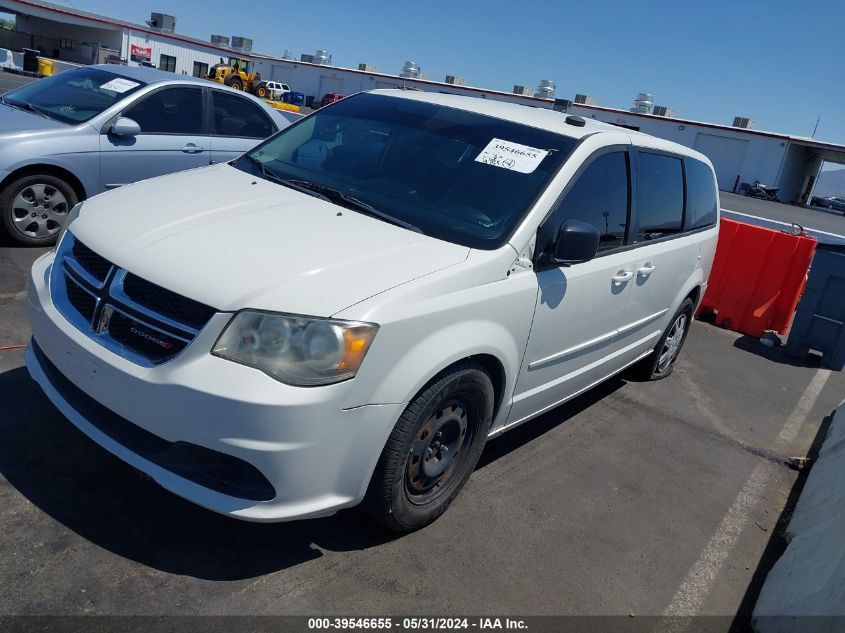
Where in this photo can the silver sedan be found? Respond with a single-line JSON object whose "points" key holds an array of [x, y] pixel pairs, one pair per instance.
{"points": [[71, 136]]}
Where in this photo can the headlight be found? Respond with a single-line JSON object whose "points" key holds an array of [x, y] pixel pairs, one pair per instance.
{"points": [[71, 216], [297, 350]]}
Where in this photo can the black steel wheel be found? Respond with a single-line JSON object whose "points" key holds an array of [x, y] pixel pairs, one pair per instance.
{"points": [[432, 450]]}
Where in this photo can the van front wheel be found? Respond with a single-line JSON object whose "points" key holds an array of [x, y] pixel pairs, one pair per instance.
{"points": [[432, 450]]}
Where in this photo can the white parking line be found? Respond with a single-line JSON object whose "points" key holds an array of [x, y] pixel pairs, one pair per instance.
{"points": [[696, 586]]}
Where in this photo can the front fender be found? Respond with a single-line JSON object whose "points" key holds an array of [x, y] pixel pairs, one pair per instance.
{"points": [[420, 335]]}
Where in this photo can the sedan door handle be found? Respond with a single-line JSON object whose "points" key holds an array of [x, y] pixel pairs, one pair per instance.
{"points": [[190, 148], [645, 270], [622, 276]]}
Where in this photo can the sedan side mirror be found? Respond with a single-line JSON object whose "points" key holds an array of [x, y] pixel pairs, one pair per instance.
{"points": [[125, 127], [576, 242]]}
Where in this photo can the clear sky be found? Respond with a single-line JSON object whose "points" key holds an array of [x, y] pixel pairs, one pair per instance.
{"points": [[780, 62]]}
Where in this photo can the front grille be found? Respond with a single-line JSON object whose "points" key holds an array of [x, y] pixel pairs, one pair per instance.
{"points": [[166, 302], [208, 468], [132, 317], [98, 267], [153, 344], [84, 302]]}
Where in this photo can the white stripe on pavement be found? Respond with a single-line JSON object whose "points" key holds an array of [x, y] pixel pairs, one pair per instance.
{"points": [[696, 586]]}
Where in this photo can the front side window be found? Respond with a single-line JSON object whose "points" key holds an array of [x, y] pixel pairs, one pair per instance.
{"points": [[449, 173], [169, 111], [600, 196], [702, 200], [238, 116], [74, 96], [660, 196]]}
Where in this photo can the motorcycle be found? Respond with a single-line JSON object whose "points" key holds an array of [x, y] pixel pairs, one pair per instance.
{"points": [[761, 191]]}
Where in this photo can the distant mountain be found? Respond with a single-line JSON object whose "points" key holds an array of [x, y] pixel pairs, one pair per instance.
{"points": [[830, 183]]}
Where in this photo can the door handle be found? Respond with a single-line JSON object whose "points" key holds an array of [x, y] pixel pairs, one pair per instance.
{"points": [[646, 269], [190, 148], [622, 276]]}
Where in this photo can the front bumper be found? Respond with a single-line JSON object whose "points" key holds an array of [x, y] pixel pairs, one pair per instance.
{"points": [[317, 456]]}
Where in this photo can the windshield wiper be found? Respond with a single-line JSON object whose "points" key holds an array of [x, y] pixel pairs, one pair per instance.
{"points": [[271, 175], [22, 105], [354, 203]]}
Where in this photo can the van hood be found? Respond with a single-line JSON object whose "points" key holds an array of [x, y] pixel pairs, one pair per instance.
{"points": [[231, 240]]}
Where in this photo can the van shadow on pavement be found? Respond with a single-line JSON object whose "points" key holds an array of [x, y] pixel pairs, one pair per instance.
{"points": [[94, 494]]}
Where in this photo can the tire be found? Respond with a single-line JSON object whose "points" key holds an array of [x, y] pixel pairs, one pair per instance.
{"points": [[658, 365], [432, 450], [34, 208], [236, 83], [261, 91]]}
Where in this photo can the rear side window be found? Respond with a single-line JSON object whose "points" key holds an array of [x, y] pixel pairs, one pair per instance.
{"points": [[238, 116], [599, 197], [660, 196], [702, 202]]}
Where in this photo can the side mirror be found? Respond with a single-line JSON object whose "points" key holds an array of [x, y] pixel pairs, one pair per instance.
{"points": [[125, 127], [576, 242]]}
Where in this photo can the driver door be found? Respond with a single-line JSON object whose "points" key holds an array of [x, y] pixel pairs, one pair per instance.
{"points": [[171, 138]]}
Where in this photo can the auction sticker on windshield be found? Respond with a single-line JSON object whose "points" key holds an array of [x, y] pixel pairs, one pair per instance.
{"points": [[119, 85], [513, 156]]}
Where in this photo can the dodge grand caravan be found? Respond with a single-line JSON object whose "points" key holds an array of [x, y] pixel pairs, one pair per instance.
{"points": [[347, 312]]}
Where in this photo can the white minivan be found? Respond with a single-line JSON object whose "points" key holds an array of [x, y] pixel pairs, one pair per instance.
{"points": [[346, 313]]}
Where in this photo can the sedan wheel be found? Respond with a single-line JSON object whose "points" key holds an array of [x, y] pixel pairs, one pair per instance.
{"points": [[35, 208]]}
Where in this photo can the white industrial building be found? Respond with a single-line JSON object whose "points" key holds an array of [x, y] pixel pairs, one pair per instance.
{"points": [[740, 154]]}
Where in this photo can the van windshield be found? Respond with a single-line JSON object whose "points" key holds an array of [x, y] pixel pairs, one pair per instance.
{"points": [[74, 96], [451, 174]]}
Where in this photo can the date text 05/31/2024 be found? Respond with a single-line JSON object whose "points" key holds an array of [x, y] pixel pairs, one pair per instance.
{"points": [[416, 623]]}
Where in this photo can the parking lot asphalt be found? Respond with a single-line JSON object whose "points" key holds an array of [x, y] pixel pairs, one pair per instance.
{"points": [[808, 217], [636, 498], [10, 81]]}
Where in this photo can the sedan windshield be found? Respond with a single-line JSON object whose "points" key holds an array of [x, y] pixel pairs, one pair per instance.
{"points": [[448, 173], [74, 96]]}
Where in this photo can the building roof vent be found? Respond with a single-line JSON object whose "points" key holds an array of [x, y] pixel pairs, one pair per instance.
{"points": [[220, 40], [585, 99], [546, 89], [743, 122], [457, 81], [663, 111], [367, 67], [521, 90], [322, 57], [162, 22], [242, 43], [410, 70], [643, 103], [287, 54]]}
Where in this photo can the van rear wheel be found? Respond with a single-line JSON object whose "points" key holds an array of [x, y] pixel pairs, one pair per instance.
{"points": [[432, 450], [661, 361]]}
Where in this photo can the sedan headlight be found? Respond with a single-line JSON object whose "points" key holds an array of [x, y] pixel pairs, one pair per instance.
{"points": [[296, 350]]}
